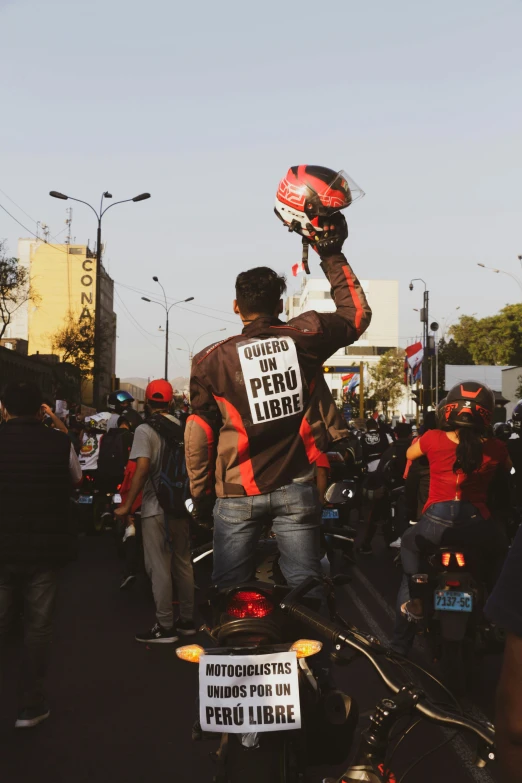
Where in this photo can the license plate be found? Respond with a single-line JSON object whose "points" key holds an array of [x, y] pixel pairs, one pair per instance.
{"points": [[452, 601], [116, 498], [85, 499], [330, 513]]}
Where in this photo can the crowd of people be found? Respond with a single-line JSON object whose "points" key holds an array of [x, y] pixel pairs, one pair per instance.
{"points": [[251, 448]]}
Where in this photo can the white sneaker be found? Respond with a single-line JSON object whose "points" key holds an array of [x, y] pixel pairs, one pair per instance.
{"points": [[130, 531], [395, 544]]}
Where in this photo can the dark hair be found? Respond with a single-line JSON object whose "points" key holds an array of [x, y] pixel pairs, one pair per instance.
{"points": [[372, 424], [403, 430], [123, 420], [430, 421], [469, 450], [259, 290], [22, 399]]}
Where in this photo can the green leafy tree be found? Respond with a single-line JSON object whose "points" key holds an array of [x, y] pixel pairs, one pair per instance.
{"points": [[15, 288], [518, 391], [496, 339], [387, 379], [451, 353]]}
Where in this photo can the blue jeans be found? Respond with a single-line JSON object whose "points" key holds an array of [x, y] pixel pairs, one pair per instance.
{"points": [[432, 525], [295, 512]]}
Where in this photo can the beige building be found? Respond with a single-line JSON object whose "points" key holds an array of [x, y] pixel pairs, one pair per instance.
{"points": [[63, 279]]}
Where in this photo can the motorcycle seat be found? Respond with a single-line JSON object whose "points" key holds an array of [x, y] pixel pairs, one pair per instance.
{"points": [[452, 538]]}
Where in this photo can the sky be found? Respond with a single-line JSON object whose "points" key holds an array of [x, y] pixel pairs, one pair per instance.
{"points": [[206, 105]]}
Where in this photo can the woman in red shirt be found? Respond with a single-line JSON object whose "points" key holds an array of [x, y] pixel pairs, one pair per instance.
{"points": [[463, 461]]}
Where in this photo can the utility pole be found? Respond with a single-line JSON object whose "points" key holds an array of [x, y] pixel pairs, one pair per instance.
{"points": [[361, 390], [97, 365], [424, 316], [167, 309]]}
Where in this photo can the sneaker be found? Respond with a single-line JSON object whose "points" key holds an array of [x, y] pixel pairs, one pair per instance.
{"points": [[127, 580], [158, 635], [32, 717], [395, 544], [365, 550], [412, 610], [185, 627]]}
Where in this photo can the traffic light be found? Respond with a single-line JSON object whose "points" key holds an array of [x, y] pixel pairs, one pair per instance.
{"points": [[327, 369], [416, 395]]}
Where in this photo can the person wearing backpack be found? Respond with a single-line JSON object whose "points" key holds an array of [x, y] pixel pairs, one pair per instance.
{"points": [[161, 474]]}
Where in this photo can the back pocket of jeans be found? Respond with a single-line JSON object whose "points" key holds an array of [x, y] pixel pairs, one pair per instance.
{"points": [[234, 509]]}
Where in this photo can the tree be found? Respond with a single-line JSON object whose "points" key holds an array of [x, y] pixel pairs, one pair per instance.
{"points": [[451, 353], [387, 379], [496, 339], [518, 391], [75, 343], [15, 287]]}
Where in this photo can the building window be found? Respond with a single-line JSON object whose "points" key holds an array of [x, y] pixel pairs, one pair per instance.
{"points": [[335, 394]]}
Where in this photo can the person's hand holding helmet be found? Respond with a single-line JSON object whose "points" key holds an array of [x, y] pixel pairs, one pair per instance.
{"points": [[330, 240]]}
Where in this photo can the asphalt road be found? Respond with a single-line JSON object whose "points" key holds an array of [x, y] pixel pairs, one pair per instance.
{"points": [[122, 711]]}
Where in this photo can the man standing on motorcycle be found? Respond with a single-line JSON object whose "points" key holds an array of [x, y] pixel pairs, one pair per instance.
{"points": [[250, 437], [463, 461]]}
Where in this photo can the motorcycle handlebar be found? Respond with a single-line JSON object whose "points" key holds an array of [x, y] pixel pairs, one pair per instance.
{"points": [[371, 649]]}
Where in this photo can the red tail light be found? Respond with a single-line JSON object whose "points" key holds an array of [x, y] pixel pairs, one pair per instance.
{"points": [[445, 558], [461, 560], [453, 583], [247, 603]]}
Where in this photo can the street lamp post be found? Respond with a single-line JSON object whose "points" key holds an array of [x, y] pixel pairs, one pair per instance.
{"points": [[96, 370], [191, 350], [503, 272], [424, 316], [167, 309]]}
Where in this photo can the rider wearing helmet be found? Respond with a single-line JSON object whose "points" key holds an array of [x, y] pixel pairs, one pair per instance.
{"points": [[463, 461], [250, 436], [119, 403]]}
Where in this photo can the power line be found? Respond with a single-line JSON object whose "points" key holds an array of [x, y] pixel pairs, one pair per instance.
{"points": [[135, 323], [171, 299], [18, 206], [32, 232]]}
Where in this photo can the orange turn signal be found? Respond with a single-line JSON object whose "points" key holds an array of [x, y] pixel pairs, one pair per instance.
{"points": [[190, 652], [303, 648]]}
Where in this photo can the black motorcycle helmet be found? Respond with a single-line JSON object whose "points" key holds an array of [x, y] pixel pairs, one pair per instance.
{"points": [[119, 400], [440, 414], [468, 404], [516, 417], [502, 430]]}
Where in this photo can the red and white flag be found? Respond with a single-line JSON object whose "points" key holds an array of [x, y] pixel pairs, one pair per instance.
{"points": [[298, 268], [415, 354]]}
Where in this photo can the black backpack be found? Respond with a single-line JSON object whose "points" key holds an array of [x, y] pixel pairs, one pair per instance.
{"points": [[173, 486], [114, 454]]}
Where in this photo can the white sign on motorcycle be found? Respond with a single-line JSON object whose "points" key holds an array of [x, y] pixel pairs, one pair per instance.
{"points": [[241, 694], [272, 378]]}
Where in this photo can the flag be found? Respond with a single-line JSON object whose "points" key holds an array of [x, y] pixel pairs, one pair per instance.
{"points": [[414, 357], [298, 268], [354, 382]]}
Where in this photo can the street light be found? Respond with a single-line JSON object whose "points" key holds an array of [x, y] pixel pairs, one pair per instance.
{"points": [[167, 311], [191, 350], [96, 370], [503, 272]]}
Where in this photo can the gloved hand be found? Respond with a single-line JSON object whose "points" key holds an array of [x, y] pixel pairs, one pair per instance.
{"points": [[203, 508], [330, 241]]}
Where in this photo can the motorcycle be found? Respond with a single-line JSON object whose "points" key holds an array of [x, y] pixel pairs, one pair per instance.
{"points": [[338, 536], [258, 695], [378, 743], [451, 585]]}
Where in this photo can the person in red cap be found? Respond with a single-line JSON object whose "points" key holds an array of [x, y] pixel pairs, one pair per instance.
{"points": [[166, 539]]}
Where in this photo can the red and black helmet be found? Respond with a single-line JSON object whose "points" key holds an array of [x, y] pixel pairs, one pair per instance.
{"points": [[309, 193], [468, 404]]}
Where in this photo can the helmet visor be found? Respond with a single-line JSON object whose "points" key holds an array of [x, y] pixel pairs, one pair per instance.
{"points": [[335, 195]]}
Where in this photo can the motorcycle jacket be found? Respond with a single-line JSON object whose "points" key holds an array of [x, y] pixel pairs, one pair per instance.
{"points": [[252, 395], [374, 443]]}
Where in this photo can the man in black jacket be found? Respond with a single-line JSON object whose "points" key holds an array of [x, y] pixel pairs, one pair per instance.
{"points": [[38, 467]]}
